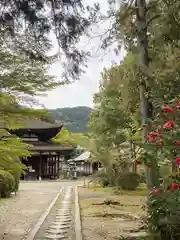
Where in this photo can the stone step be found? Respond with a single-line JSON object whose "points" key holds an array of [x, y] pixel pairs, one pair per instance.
{"points": [[56, 231], [134, 236]]}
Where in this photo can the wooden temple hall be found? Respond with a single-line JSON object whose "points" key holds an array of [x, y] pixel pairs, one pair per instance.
{"points": [[47, 158]]}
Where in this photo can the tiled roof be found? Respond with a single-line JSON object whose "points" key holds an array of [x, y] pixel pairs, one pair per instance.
{"points": [[38, 124], [49, 148], [34, 124]]}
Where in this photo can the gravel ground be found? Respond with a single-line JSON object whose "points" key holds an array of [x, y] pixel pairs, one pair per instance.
{"points": [[108, 222], [19, 213]]}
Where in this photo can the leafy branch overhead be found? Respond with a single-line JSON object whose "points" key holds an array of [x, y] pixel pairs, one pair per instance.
{"points": [[27, 26]]}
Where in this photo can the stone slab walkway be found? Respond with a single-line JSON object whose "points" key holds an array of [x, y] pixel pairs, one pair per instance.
{"points": [[19, 213]]}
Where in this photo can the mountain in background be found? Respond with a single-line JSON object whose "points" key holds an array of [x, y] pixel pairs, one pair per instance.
{"points": [[74, 119]]}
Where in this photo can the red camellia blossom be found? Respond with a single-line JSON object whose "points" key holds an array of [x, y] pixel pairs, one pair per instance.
{"points": [[152, 137], [177, 142], [174, 186], [168, 109], [154, 134], [169, 125], [178, 161], [155, 191]]}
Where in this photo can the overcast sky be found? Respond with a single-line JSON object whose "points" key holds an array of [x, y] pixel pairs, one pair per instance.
{"points": [[81, 92]]}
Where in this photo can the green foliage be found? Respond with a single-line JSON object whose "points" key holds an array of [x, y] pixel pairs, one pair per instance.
{"points": [[164, 214], [21, 75], [114, 123], [21, 79], [64, 138], [7, 184], [11, 149], [74, 119], [66, 19], [155, 38], [109, 119], [128, 181], [68, 138], [142, 175], [102, 177], [16, 168], [165, 170]]}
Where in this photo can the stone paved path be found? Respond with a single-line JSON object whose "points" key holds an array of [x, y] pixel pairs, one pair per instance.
{"points": [[19, 213]]}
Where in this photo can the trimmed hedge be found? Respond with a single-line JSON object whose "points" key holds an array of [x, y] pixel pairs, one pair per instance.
{"points": [[128, 181], [17, 180], [7, 184]]}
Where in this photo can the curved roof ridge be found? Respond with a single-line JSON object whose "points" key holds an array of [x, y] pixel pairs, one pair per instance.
{"points": [[39, 124]]}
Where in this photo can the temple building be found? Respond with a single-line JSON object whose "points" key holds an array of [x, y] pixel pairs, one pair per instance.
{"points": [[47, 157], [83, 164]]}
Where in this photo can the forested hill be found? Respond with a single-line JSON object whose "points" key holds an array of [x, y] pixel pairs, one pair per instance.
{"points": [[74, 119]]}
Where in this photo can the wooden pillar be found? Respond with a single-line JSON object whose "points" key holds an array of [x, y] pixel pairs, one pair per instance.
{"points": [[55, 167], [52, 166], [44, 165], [40, 167], [49, 166], [58, 165]]}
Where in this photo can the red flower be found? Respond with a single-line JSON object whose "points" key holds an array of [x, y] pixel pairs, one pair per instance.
{"points": [[174, 186], [177, 142], [178, 161], [152, 137], [155, 191], [169, 125], [154, 134], [166, 108]]}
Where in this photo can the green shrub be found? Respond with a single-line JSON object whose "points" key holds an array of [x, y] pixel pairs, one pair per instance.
{"points": [[7, 184], [128, 181], [164, 213], [16, 176], [15, 168], [16, 179], [102, 176], [142, 175]]}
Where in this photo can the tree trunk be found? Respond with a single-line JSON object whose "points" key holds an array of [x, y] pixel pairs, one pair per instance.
{"points": [[134, 169], [146, 111], [134, 156]]}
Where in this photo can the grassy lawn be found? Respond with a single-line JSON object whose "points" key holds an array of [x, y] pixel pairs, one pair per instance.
{"points": [[140, 191], [106, 215]]}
